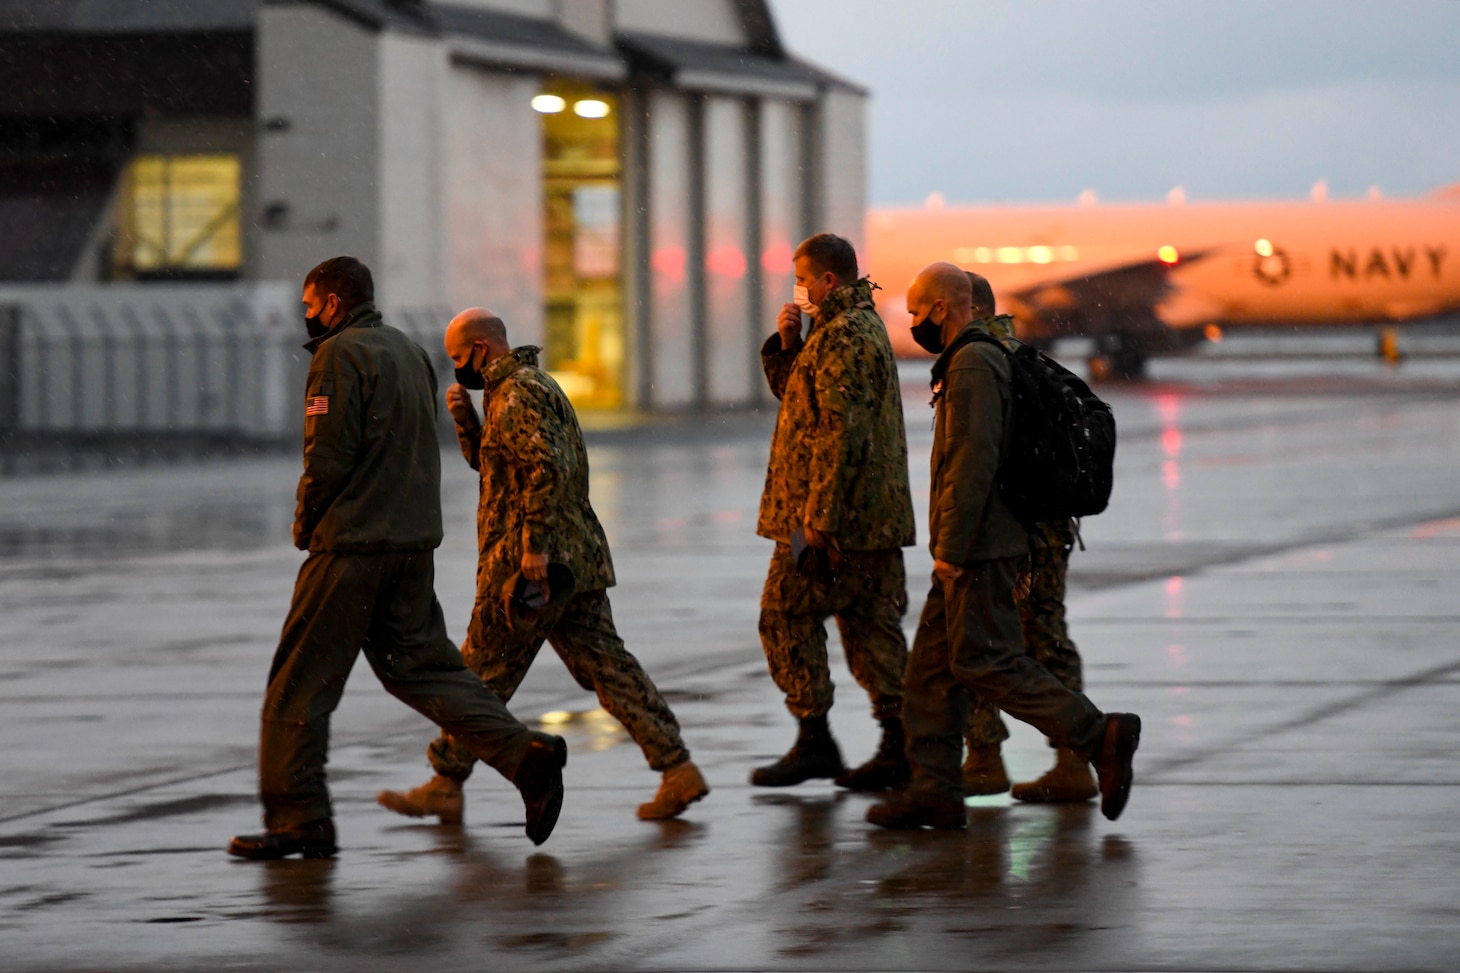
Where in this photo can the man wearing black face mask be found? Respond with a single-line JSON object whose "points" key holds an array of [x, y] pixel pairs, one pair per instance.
{"points": [[369, 514], [534, 512], [969, 639]]}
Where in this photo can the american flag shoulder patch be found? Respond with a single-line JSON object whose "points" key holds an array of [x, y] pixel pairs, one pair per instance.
{"points": [[318, 405]]}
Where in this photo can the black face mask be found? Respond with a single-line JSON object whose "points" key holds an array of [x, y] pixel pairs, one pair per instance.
{"points": [[928, 335], [315, 328], [468, 376]]}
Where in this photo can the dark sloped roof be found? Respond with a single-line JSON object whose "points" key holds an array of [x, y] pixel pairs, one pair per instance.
{"points": [[497, 26], [680, 61], [125, 16]]}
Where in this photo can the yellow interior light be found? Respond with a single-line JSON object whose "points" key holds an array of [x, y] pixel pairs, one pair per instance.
{"points": [[1040, 255], [1263, 247], [983, 255], [590, 108], [548, 104], [1168, 254], [1011, 255]]}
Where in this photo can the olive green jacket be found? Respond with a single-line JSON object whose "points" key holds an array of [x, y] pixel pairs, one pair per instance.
{"points": [[838, 458], [1054, 533], [967, 518], [372, 462], [534, 478]]}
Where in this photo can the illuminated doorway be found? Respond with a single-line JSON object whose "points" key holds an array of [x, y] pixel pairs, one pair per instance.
{"points": [[583, 244]]}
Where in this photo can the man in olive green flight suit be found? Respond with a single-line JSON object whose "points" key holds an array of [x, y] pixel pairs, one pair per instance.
{"points": [[838, 477], [534, 510], [968, 640], [1046, 639], [369, 514]]}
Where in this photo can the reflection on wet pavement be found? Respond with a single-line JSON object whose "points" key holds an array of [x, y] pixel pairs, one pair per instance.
{"points": [[1273, 588]]}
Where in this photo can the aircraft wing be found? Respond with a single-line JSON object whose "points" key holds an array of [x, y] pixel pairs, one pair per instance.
{"points": [[1121, 298]]}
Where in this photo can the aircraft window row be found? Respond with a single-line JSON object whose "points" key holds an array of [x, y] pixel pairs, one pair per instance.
{"points": [[1015, 255]]}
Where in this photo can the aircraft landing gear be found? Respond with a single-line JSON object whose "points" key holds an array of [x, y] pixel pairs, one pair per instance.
{"points": [[1117, 357]]}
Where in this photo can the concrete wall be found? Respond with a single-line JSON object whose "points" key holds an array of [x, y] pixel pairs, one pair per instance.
{"points": [[491, 218], [319, 84], [589, 19], [710, 21], [411, 76], [727, 207], [782, 207], [670, 312], [839, 170]]}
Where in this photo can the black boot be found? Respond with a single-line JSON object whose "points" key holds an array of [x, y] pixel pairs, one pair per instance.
{"points": [[814, 754], [313, 840], [887, 770]]}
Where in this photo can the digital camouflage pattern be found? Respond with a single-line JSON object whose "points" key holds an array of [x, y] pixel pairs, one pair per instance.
{"points": [[838, 459], [582, 633], [534, 477], [868, 599], [1046, 637], [534, 495]]}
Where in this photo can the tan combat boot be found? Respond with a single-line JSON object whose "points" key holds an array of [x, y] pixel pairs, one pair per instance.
{"points": [[1069, 781], [680, 787], [983, 771], [440, 796]]}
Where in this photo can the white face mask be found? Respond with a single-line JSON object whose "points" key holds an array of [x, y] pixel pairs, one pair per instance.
{"points": [[802, 299]]}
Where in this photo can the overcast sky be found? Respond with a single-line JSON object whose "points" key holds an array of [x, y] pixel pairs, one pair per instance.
{"points": [[987, 100]]}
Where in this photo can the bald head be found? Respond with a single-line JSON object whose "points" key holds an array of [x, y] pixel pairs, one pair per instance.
{"points": [[941, 293], [945, 282], [476, 326]]}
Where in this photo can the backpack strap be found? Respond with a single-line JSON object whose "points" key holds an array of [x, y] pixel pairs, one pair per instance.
{"points": [[965, 338]]}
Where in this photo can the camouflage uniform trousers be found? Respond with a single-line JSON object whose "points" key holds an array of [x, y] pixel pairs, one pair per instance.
{"points": [[582, 633], [1046, 640], [868, 599]]}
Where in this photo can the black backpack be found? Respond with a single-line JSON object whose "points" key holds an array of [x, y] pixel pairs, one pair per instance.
{"points": [[1061, 458]]}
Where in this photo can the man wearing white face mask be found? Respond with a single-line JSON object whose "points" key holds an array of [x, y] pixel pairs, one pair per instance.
{"points": [[838, 506]]}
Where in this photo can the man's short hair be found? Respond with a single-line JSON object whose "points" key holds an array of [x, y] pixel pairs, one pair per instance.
{"points": [[345, 277], [829, 252], [983, 295]]}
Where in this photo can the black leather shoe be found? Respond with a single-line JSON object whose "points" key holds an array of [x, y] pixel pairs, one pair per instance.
{"points": [[904, 811], [539, 779], [313, 840], [1113, 761]]}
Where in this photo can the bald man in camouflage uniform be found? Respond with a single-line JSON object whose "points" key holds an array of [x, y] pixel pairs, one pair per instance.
{"points": [[838, 473], [1046, 640], [534, 510]]}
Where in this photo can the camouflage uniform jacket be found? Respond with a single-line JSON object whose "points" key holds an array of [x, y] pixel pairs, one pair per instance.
{"points": [[967, 518], [534, 478], [372, 459], [838, 458], [1054, 533]]}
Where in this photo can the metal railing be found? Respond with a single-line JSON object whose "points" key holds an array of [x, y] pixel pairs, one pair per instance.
{"points": [[98, 365]]}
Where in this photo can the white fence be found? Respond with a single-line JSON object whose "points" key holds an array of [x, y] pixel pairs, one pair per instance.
{"points": [[224, 362]]}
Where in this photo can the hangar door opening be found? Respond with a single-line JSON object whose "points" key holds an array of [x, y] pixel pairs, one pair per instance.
{"points": [[583, 244]]}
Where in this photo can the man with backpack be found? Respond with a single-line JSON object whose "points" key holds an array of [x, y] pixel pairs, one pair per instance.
{"points": [[1046, 639], [968, 639]]}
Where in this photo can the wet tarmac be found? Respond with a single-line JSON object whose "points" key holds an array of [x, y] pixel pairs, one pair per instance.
{"points": [[1274, 589]]}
